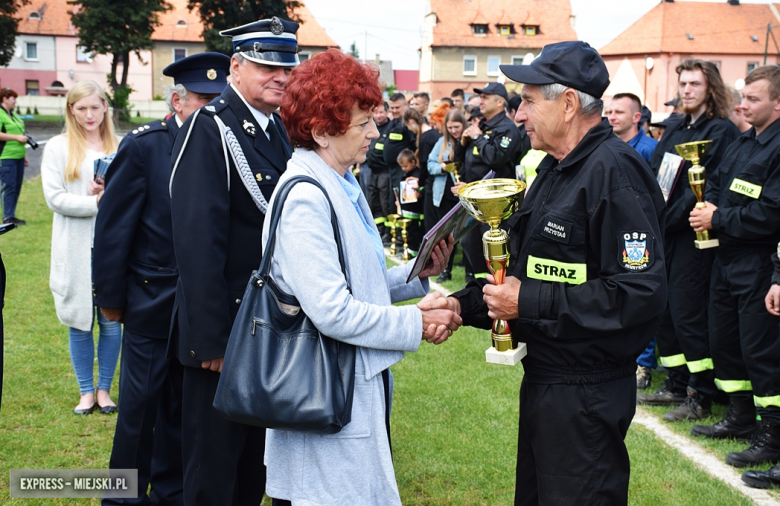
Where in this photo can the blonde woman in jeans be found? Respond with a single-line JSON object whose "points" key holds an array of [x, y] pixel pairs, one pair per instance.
{"points": [[66, 173]]}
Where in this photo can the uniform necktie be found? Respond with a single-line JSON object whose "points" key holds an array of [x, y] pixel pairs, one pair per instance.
{"points": [[276, 139]]}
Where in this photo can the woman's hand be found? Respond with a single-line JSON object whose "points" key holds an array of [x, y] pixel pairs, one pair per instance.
{"points": [[96, 187], [26, 162], [439, 257], [22, 138], [439, 324], [456, 187]]}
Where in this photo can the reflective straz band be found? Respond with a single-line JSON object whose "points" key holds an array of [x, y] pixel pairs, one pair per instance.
{"points": [[395, 137], [552, 270], [475, 151], [744, 188], [379, 146]]}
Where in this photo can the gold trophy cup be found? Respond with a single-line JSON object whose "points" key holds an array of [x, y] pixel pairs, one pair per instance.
{"points": [[454, 169], [392, 219], [697, 177], [492, 201]]}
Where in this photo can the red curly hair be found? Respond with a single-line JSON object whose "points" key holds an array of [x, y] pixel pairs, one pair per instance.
{"points": [[321, 93]]}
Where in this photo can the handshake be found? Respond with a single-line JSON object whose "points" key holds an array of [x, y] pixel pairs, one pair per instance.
{"points": [[441, 317]]}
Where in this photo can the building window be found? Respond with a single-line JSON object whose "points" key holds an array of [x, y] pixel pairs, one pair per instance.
{"points": [[469, 65], [531, 30], [179, 54], [31, 51], [479, 29], [493, 63], [751, 66], [82, 55], [32, 88], [517, 60], [505, 30], [304, 55], [182, 23], [34, 15]]}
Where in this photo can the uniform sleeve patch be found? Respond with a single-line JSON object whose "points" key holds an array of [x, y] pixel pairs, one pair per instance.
{"points": [[635, 251]]}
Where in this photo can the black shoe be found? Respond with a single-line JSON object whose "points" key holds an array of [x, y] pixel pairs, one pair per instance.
{"points": [[661, 397], [469, 277], [445, 275], [762, 479], [644, 375], [106, 410], [688, 410], [764, 449], [86, 411], [15, 221], [739, 422]]}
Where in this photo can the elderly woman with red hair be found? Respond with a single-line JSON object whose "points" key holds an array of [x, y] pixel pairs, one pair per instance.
{"points": [[327, 109]]}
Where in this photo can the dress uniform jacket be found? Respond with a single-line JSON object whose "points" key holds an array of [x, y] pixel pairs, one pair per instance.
{"points": [[133, 264], [217, 228], [587, 245], [496, 149]]}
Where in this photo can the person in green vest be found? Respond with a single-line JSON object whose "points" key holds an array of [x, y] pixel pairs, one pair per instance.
{"points": [[13, 154]]}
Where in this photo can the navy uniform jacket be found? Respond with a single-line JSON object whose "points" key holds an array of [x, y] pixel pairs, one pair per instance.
{"points": [[217, 232], [587, 245], [496, 149], [133, 265]]}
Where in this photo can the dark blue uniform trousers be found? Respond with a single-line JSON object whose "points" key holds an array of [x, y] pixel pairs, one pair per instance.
{"points": [[148, 428], [570, 447]]}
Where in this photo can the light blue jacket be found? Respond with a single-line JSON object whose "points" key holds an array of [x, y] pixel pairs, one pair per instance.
{"points": [[354, 465], [434, 169]]}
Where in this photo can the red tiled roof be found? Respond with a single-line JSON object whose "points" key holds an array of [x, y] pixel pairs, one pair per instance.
{"points": [[406, 80], [454, 19], [719, 28], [55, 20]]}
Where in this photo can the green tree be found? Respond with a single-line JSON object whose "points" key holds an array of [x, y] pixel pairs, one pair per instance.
{"points": [[219, 15], [8, 26], [353, 50], [117, 28]]}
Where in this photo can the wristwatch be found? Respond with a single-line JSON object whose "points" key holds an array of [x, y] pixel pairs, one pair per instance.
{"points": [[475, 136]]}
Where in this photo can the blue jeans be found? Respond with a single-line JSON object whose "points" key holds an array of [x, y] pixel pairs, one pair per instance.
{"points": [[82, 354], [11, 174], [648, 358]]}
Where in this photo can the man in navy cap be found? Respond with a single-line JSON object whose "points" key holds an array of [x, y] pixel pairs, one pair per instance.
{"points": [[492, 144], [134, 275], [227, 160], [586, 287]]}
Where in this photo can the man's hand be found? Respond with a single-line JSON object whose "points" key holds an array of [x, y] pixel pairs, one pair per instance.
{"points": [[457, 186], [215, 364], [502, 299], [701, 219], [472, 131], [435, 300], [772, 300], [439, 257], [439, 324], [114, 314]]}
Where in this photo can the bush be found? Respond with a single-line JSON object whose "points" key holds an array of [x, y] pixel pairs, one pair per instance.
{"points": [[27, 112], [36, 111], [121, 102]]}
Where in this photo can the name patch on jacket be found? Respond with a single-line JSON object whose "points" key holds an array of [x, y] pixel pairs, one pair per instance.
{"points": [[396, 136], [557, 230], [634, 251], [546, 269], [744, 188], [379, 146]]}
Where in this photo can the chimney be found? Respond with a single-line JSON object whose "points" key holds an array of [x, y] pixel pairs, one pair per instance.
{"points": [[733, 2], [377, 60], [670, 1]]}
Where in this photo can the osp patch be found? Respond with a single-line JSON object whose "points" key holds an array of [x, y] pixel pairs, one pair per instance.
{"points": [[635, 251]]}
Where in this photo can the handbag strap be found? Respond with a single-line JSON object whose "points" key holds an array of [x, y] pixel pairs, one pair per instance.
{"points": [[282, 192]]}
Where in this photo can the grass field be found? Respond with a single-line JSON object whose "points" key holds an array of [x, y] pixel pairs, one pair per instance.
{"points": [[454, 416]]}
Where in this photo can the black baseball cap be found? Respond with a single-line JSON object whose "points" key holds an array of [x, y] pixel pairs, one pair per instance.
{"points": [[494, 89], [646, 115], [573, 64]]}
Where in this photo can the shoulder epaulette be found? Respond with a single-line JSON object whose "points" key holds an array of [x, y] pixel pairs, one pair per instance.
{"points": [[153, 126], [215, 106]]}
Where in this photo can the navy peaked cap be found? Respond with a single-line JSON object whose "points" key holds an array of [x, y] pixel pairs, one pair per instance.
{"points": [[268, 41], [201, 73]]}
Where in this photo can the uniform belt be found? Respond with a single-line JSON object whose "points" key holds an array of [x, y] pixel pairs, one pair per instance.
{"points": [[579, 377]]}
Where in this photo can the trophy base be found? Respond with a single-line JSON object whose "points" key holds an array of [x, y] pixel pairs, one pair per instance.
{"points": [[710, 243], [510, 357]]}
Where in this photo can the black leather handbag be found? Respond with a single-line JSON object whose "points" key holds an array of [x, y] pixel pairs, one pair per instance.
{"points": [[279, 371]]}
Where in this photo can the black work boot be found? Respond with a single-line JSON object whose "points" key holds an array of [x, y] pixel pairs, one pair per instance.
{"points": [[695, 407], [762, 479], [661, 397], [739, 422], [764, 449]]}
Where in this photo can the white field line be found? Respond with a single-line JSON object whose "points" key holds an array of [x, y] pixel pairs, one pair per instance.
{"points": [[703, 459]]}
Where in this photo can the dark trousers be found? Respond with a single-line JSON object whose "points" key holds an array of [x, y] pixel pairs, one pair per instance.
{"points": [[683, 338], [2, 339], [472, 249], [223, 460], [743, 335], [12, 175], [414, 235], [148, 426], [570, 447], [379, 195]]}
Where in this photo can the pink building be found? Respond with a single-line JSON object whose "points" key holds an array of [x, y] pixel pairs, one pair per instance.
{"points": [[728, 33]]}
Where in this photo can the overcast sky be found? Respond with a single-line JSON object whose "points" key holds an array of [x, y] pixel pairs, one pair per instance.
{"points": [[394, 29]]}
